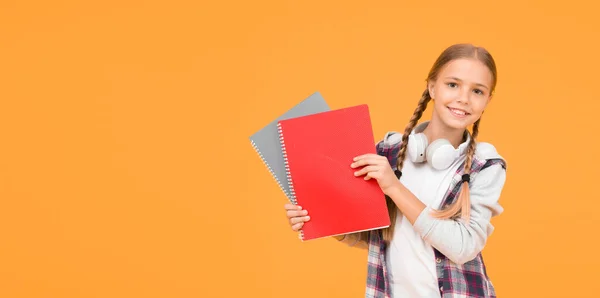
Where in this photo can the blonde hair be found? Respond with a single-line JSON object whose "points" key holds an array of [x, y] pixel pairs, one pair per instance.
{"points": [[462, 206]]}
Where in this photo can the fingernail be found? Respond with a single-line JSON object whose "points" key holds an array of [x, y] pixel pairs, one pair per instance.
{"points": [[299, 208], [305, 212], [307, 217]]}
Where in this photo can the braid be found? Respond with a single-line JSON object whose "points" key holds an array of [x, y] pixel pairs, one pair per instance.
{"points": [[472, 146], [392, 209], [411, 125], [462, 206]]}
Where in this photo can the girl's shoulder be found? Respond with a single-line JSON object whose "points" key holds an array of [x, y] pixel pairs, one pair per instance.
{"points": [[389, 146], [487, 151], [487, 155], [391, 140]]}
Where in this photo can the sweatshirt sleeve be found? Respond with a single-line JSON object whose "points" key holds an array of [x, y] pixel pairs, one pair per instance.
{"points": [[456, 239]]}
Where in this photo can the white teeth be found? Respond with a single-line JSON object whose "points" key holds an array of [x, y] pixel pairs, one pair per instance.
{"points": [[457, 112]]}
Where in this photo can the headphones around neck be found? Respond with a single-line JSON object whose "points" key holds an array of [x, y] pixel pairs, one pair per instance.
{"points": [[440, 154]]}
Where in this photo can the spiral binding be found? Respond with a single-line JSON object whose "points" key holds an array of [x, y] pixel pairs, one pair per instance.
{"points": [[288, 174], [268, 167]]}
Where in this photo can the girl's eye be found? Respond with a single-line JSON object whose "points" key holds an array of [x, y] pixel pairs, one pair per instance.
{"points": [[452, 85], [479, 92]]}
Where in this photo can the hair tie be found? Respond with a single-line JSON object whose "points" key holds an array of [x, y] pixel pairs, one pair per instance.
{"points": [[398, 173], [466, 178]]}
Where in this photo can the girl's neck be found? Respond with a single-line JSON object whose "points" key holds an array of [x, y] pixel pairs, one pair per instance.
{"points": [[437, 130]]}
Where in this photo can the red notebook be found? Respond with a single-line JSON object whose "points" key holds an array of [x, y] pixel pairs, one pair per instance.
{"points": [[318, 150]]}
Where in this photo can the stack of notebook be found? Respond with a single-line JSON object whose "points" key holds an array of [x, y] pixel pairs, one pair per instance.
{"points": [[308, 151]]}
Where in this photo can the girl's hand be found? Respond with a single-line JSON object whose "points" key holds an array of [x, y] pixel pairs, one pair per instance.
{"points": [[376, 167], [296, 216]]}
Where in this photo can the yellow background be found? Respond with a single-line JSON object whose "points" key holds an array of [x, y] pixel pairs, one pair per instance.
{"points": [[126, 170]]}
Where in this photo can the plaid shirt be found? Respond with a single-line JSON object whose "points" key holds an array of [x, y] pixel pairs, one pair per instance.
{"points": [[469, 280]]}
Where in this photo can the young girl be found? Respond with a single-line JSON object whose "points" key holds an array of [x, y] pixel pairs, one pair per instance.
{"points": [[442, 188]]}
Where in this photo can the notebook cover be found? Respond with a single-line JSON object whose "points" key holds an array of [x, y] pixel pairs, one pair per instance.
{"points": [[318, 150], [266, 141]]}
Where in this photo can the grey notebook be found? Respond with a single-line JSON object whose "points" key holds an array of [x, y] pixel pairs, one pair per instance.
{"points": [[266, 141]]}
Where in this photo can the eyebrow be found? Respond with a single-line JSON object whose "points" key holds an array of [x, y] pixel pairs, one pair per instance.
{"points": [[478, 84]]}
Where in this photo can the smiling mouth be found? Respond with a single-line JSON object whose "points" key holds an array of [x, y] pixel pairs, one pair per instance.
{"points": [[458, 112]]}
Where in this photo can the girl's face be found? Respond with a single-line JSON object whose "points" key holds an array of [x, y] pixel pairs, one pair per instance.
{"points": [[460, 93]]}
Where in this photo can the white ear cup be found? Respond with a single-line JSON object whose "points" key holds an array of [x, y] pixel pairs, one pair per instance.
{"points": [[441, 154], [417, 144]]}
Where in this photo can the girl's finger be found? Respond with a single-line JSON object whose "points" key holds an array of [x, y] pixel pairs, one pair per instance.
{"points": [[368, 155], [366, 161], [365, 170], [289, 206], [371, 175], [295, 220], [297, 226], [296, 213]]}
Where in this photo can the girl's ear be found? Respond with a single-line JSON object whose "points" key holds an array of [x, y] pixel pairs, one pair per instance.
{"points": [[430, 86]]}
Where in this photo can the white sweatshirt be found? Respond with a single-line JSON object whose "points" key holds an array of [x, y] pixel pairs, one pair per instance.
{"points": [[410, 256]]}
